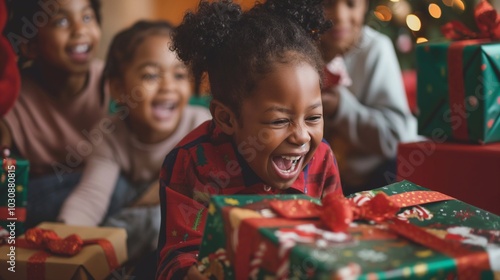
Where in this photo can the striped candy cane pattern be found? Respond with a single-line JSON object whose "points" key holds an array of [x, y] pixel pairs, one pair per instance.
{"points": [[418, 212]]}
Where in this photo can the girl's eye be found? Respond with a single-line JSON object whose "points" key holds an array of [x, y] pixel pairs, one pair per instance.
{"points": [[88, 18], [62, 22], [315, 118], [150, 77], [180, 76], [279, 122]]}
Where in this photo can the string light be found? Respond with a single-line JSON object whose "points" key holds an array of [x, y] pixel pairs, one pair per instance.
{"points": [[417, 21], [413, 22], [434, 10], [421, 40], [448, 3], [383, 13], [459, 4]]}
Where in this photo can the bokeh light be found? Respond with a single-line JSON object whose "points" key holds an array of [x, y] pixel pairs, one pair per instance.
{"points": [[434, 10], [421, 40], [383, 13], [413, 22]]}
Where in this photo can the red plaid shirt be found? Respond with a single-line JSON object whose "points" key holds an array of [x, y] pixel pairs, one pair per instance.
{"points": [[207, 163]]}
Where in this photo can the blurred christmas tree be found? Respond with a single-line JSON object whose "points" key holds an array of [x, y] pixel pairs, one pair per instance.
{"points": [[408, 22]]}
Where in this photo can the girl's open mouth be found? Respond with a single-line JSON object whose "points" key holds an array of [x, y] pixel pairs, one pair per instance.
{"points": [[164, 110], [79, 52], [287, 166]]}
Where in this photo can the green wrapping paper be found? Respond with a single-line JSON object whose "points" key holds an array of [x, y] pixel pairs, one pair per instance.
{"points": [[478, 111], [13, 197], [242, 229]]}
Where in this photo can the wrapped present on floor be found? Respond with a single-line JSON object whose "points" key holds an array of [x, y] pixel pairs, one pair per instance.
{"points": [[13, 197], [465, 171], [458, 82], [58, 251], [412, 233]]}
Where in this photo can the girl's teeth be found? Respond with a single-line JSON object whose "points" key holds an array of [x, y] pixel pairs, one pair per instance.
{"points": [[81, 48], [291, 158]]}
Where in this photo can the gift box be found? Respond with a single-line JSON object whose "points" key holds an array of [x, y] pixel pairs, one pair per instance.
{"points": [[104, 249], [458, 90], [465, 171], [278, 237], [13, 197]]}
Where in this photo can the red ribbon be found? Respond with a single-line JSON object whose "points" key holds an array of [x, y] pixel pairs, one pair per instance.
{"points": [[337, 212], [487, 21], [49, 243]]}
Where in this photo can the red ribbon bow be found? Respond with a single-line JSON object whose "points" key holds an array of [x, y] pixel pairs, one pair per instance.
{"points": [[338, 212], [48, 240], [487, 21]]}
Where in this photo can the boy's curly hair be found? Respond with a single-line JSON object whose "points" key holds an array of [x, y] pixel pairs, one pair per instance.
{"points": [[237, 48], [28, 14]]}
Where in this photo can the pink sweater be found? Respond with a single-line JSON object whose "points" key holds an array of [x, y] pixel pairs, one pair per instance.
{"points": [[52, 134], [119, 152]]}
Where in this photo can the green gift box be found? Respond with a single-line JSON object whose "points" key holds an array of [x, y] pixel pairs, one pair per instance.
{"points": [[13, 197], [458, 90], [245, 238]]}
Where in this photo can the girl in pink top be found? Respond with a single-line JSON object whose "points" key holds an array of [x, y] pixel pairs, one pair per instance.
{"points": [[152, 87], [59, 102]]}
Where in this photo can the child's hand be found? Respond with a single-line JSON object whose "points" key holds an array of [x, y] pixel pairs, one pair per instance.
{"points": [[150, 197], [194, 274]]}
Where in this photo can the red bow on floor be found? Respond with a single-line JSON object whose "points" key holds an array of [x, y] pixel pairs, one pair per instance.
{"points": [[487, 21]]}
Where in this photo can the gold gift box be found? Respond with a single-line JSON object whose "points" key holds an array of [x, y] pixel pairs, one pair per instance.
{"points": [[89, 263]]}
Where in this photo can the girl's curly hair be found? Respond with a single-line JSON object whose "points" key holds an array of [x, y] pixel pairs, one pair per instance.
{"points": [[237, 48]]}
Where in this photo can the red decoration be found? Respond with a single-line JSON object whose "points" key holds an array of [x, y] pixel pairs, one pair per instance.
{"points": [[330, 79], [487, 21], [338, 212]]}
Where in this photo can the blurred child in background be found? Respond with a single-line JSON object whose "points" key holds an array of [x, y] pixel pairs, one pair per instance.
{"points": [[266, 134], [59, 103], [152, 88], [364, 119]]}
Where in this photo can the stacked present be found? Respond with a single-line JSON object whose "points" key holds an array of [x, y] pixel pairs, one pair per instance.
{"points": [[411, 233], [58, 251], [458, 84], [13, 197]]}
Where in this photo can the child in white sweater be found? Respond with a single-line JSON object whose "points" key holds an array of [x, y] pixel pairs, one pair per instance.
{"points": [[365, 121]]}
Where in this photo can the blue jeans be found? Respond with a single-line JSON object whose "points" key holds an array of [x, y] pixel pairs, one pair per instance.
{"points": [[47, 194]]}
